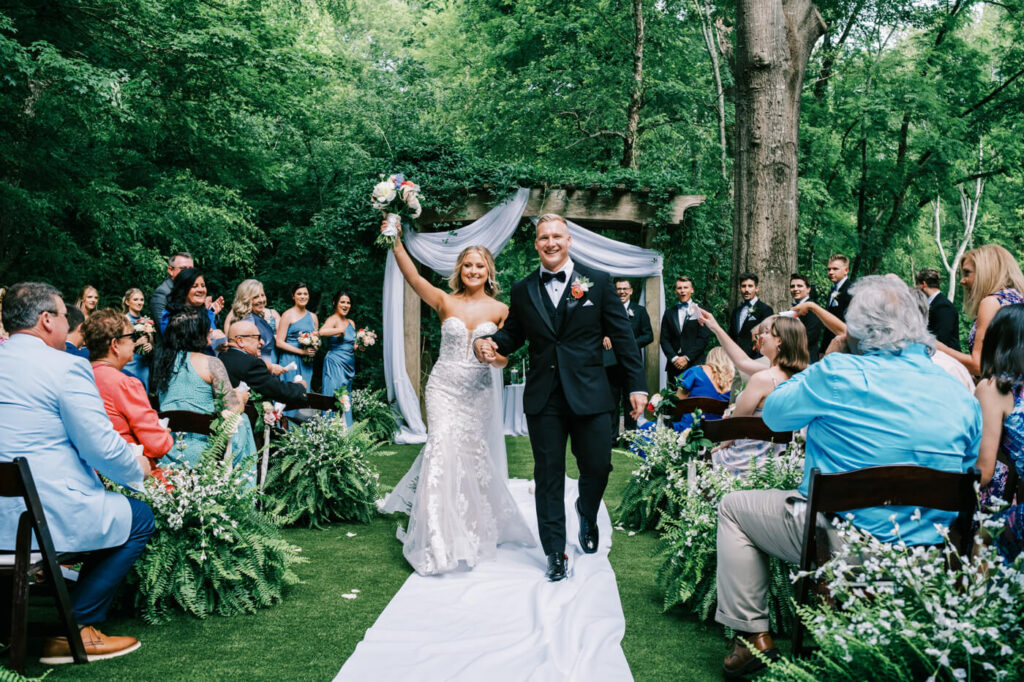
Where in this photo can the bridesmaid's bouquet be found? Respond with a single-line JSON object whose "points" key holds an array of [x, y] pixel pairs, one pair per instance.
{"points": [[309, 340], [395, 197], [143, 327], [365, 338]]}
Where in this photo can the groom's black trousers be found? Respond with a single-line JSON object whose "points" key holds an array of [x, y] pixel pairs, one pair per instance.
{"points": [[592, 448]]}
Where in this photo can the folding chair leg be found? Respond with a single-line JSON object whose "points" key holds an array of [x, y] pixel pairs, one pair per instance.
{"points": [[67, 614], [19, 595], [798, 625]]}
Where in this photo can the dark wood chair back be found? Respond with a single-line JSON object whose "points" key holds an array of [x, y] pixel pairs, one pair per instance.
{"points": [[753, 428], [705, 405], [885, 486], [16, 481], [314, 401], [189, 422]]}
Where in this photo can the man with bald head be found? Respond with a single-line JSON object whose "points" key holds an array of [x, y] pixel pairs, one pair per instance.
{"points": [[242, 359]]}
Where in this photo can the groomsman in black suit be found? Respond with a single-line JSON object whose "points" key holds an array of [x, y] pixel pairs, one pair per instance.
{"points": [[800, 289], [683, 338], [943, 318], [838, 296], [747, 316], [640, 321]]}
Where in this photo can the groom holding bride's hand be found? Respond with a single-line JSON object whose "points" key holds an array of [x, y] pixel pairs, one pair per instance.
{"points": [[565, 310]]}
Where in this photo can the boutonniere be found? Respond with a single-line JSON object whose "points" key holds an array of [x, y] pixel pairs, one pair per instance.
{"points": [[580, 286], [629, 311]]}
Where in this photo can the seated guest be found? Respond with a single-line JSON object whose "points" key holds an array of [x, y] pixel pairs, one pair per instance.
{"points": [[73, 344], [750, 311], [250, 304], [1001, 394], [51, 414], [108, 336], [713, 379], [189, 293], [87, 301], [186, 378], [784, 343], [874, 407], [241, 358]]}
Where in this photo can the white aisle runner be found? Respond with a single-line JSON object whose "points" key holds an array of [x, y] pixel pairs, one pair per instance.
{"points": [[502, 621]]}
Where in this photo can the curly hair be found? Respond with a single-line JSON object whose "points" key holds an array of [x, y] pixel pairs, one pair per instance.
{"points": [[886, 315], [247, 290], [102, 327]]}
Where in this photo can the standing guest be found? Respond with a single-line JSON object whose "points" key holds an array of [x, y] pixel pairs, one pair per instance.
{"points": [[189, 293], [340, 360], [132, 303], [747, 316], [87, 301], [991, 279], [250, 304], [640, 321], [295, 321], [943, 319], [108, 336], [241, 358], [52, 415], [713, 379], [175, 264], [683, 338], [800, 289], [73, 344], [186, 378], [875, 407], [784, 343], [838, 296]]}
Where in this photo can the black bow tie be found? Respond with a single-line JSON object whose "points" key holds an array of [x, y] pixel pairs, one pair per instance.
{"points": [[546, 277]]}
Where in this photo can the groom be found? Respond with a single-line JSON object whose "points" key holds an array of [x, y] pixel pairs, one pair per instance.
{"points": [[565, 310]]}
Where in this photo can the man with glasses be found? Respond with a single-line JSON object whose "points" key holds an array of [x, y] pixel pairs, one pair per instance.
{"points": [[175, 264], [640, 321], [242, 360], [52, 415]]}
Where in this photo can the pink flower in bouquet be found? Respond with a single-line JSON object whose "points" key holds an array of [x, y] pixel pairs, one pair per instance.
{"points": [[365, 338], [395, 197], [309, 340]]}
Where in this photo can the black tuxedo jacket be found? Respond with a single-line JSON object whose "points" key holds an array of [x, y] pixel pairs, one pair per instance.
{"points": [[838, 308], [741, 334], [252, 370], [944, 321], [691, 340], [566, 342], [640, 321], [813, 327]]}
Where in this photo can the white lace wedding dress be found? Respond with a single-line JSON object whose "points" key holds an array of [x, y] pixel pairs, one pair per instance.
{"points": [[459, 505]]}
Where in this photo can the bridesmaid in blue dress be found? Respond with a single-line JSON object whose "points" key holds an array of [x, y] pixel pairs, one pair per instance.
{"points": [[132, 304], [340, 361], [295, 321]]}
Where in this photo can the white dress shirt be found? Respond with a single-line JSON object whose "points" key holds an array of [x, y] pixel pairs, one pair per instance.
{"points": [[554, 287]]}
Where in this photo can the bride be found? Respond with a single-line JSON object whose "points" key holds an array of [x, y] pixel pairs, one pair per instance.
{"points": [[461, 507]]}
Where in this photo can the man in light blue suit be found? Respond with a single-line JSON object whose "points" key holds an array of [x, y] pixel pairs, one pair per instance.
{"points": [[52, 415]]}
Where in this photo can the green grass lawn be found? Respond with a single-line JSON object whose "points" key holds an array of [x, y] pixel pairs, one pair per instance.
{"points": [[314, 630]]}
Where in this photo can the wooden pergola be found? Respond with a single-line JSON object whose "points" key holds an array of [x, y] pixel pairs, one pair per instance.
{"points": [[593, 207]]}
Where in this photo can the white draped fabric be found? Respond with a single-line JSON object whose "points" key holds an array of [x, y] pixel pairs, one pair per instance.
{"points": [[439, 251]]}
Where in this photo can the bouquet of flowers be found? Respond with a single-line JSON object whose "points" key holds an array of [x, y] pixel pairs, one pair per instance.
{"points": [[272, 413], [385, 196], [143, 327], [309, 340], [365, 338]]}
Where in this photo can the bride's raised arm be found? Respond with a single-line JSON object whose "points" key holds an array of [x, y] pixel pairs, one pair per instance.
{"points": [[430, 294]]}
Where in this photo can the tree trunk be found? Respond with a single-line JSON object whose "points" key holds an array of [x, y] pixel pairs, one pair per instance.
{"points": [[708, 31], [773, 42], [636, 95]]}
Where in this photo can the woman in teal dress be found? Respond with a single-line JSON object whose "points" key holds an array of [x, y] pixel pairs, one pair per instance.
{"points": [[185, 378], [132, 305], [340, 361], [295, 321]]}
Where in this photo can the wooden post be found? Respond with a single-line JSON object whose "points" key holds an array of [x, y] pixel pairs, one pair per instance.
{"points": [[653, 293], [411, 321]]}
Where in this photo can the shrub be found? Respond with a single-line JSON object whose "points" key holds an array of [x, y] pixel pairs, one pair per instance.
{"points": [[320, 473], [372, 407]]}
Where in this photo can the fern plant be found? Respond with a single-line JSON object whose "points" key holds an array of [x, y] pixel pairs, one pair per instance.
{"points": [[372, 407], [686, 576], [212, 551], [321, 474]]}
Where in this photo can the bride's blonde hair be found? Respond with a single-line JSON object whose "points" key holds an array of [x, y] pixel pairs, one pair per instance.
{"points": [[455, 281]]}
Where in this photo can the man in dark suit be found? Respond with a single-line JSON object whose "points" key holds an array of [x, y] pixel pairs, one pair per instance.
{"points": [[838, 296], [564, 310], [800, 289], [683, 337], [158, 301], [242, 360], [748, 315], [943, 318], [640, 321]]}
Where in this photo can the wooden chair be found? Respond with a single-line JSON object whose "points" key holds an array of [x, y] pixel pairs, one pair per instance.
{"points": [[705, 405], [883, 486], [314, 401], [753, 428], [16, 481]]}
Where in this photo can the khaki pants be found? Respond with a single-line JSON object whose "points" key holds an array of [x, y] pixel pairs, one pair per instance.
{"points": [[751, 524]]}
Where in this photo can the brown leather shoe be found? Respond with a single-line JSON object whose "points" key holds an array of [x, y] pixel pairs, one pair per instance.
{"points": [[98, 646], [741, 661]]}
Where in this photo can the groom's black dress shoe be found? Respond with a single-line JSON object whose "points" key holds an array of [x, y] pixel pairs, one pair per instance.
{"points": [[556, 567], [588, 532]]}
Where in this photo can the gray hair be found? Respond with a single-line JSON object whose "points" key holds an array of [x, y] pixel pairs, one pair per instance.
{"points": [[176, 256], [25, 301], [886, 315]]}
